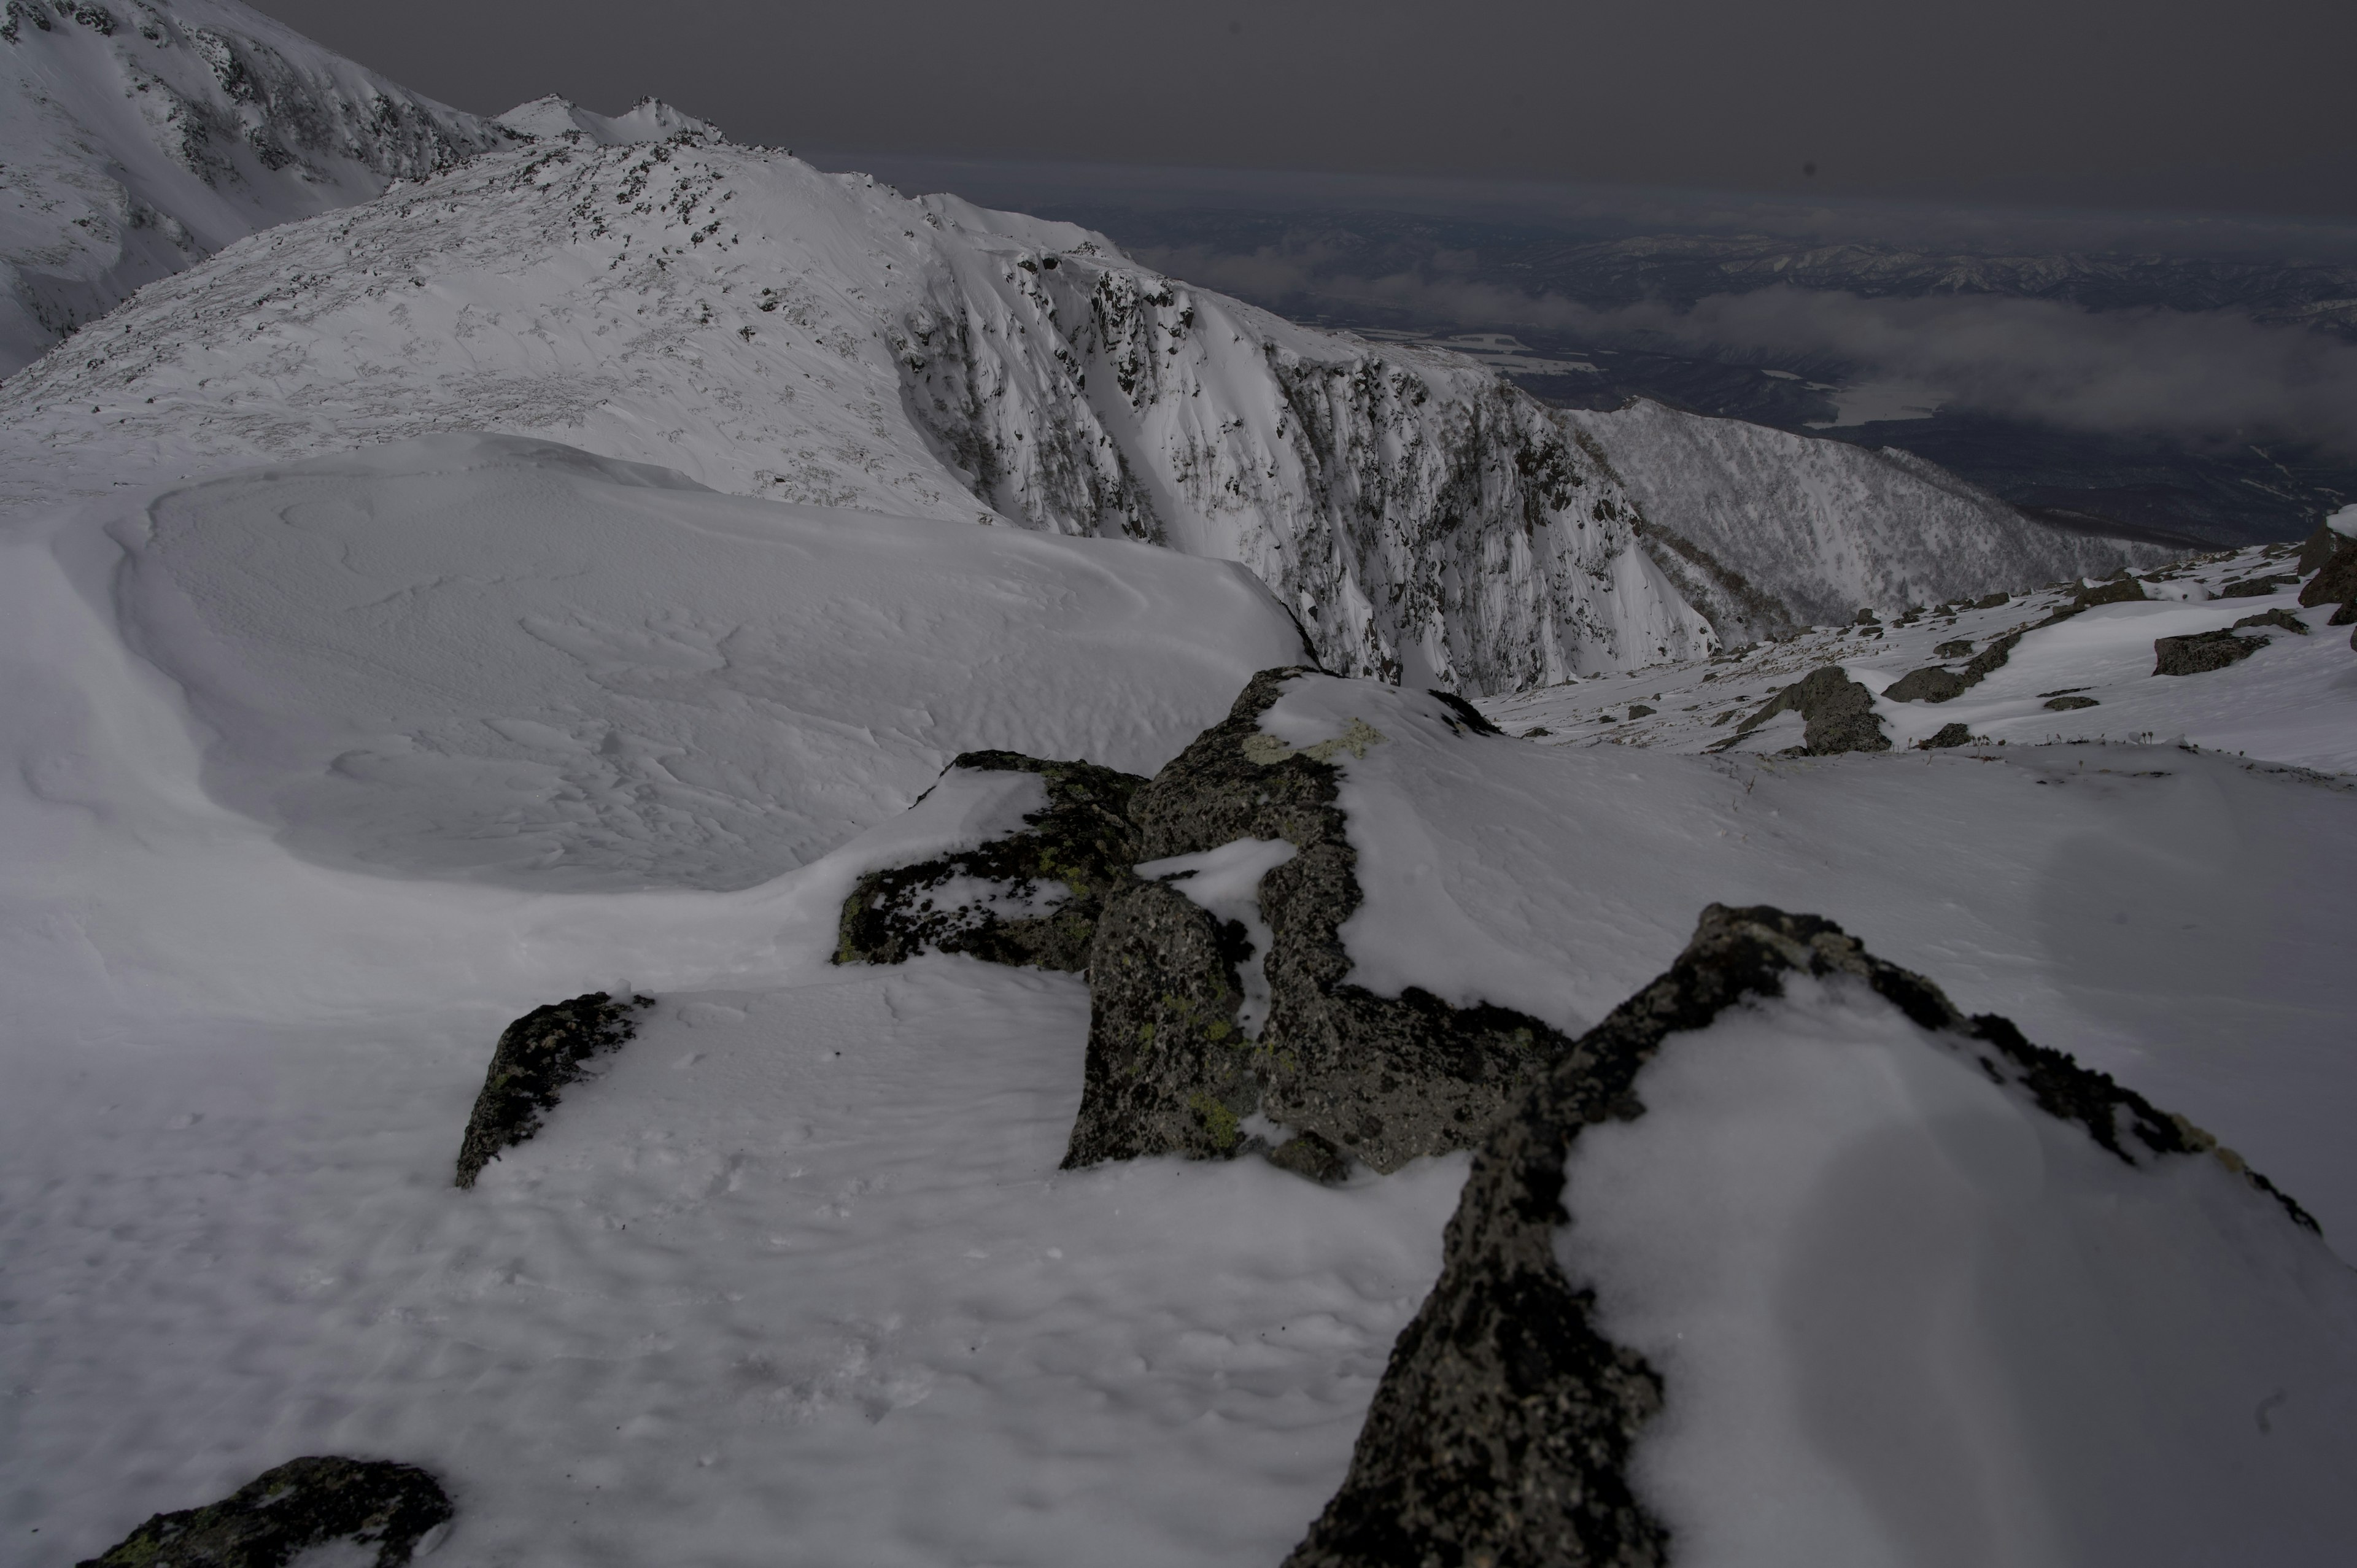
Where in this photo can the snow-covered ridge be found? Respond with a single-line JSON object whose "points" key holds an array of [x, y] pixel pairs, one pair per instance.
{"points": [[141, 137], [648, 120]]}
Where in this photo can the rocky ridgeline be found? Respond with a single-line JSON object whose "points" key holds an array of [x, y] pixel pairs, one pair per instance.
{"points": [[1198, 1025], [1504, 1428]]}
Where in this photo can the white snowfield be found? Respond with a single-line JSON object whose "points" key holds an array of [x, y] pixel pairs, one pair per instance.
{"points": [[140, 138]]}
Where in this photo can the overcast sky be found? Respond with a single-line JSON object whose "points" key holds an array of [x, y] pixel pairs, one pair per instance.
{"points": [[2171, 103]]}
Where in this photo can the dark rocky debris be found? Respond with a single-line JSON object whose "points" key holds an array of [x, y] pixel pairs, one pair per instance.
{"points": [[320, 1501], [1501, 1433], [2201, 653], [1355, 1076], [537, 1057], [1082, 841], [1962, 647], [1840, 715]]}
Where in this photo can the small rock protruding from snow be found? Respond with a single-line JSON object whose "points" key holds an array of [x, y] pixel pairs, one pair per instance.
{"points": [[378, 1511], [536, 1058], [1838, 711]]}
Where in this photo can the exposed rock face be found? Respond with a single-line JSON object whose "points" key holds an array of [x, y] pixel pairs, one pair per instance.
{"points": [[985, 901], [1960, 649], [2201, 653], [302, 1504], [2256, 588], [1502, 1429], [537, 1057], [1934, 685], [2335, 582], [1840, 715], [1169, 1068], [2277, 618], [2119, 591], [1949, 735], [2316, 550]]}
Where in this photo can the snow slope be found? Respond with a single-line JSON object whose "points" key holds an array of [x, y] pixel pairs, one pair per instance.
{"points": [[1826, 527], [141, 137]]}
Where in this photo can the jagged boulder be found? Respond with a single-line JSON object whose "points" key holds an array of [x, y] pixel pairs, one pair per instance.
{"points": [[376, 1511], [2278, 617], [1839, 712], [1172, 1065], [2335, 582], [2202, 651], [2316, 550], [1504, 1428], [536, 1058], [1029, 897]]}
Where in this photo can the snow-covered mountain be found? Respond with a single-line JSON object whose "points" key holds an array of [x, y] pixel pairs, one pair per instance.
{"points": [[649, 120], [141, 137], [772, 330]]}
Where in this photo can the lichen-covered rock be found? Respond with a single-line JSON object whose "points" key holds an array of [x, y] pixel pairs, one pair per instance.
{"points": [[1031, 898], [1502, 1431], [1840, 715], [2335, 582], [2201, 653], [537, 1057], [1378, 1080], [301, 1506]]}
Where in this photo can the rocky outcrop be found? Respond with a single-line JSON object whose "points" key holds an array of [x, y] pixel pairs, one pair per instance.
{"points": [[2202, 652], [2335, 582], [1030, 897], [1502, 1429], [376, 1511], [536, 1058], [2278, 617], [1172, 1066], [1934, 684], [1840, 715], [1948, 735]]}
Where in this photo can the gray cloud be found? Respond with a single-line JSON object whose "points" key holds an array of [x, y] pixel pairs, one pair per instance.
{"points": [[2205, 376]]}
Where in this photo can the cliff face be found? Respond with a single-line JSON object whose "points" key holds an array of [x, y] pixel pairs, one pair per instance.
{"points": [[143, 137]]}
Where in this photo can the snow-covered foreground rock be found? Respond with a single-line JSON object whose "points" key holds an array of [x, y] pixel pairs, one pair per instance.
{"points": [[142, 137]]}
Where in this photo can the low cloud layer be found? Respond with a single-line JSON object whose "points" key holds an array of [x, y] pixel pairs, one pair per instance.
{"points": [[2205, 376]]}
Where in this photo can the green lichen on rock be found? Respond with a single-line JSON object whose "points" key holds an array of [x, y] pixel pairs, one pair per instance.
{"points": [[1082, 841], [1379, 1079], [537, 1055], [303, 1504]]}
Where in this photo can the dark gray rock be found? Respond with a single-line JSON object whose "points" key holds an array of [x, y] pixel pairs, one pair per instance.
{"points": [[1949, 735], [1468, 719], [1962, 647], [536, 1058], [2124, 590], [1501, 1432], [1929, 684], [1082, 841], [2065, 705], [2202, 651], [302, 1504], [1839, 712], [1991, 601], [2256, 588], [2335, 582], [2316, 550], [1377, 1079], [2279, 616], [1640, 711]]}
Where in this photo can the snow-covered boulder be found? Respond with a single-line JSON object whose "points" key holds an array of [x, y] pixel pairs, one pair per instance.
{"points": [[1789, 1261]]}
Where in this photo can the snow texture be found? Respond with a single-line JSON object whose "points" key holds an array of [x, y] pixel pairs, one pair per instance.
{"points": [[1902, 1316]]}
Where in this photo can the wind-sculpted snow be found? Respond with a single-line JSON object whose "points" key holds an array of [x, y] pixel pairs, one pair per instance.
{"points": [[503, 660], [141, 137]]}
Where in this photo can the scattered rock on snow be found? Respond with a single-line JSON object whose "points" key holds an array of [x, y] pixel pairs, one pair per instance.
{"points": [[1929, 684], [302, 1506], [985, 901], [1503, 1427], [2201, 653], [537, 1057], [1962, 647], [2065, 705], [1840, 715], [2256, 588], [1169, 1068], [2276, 616], [1950, 735], [2121, 591]]}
